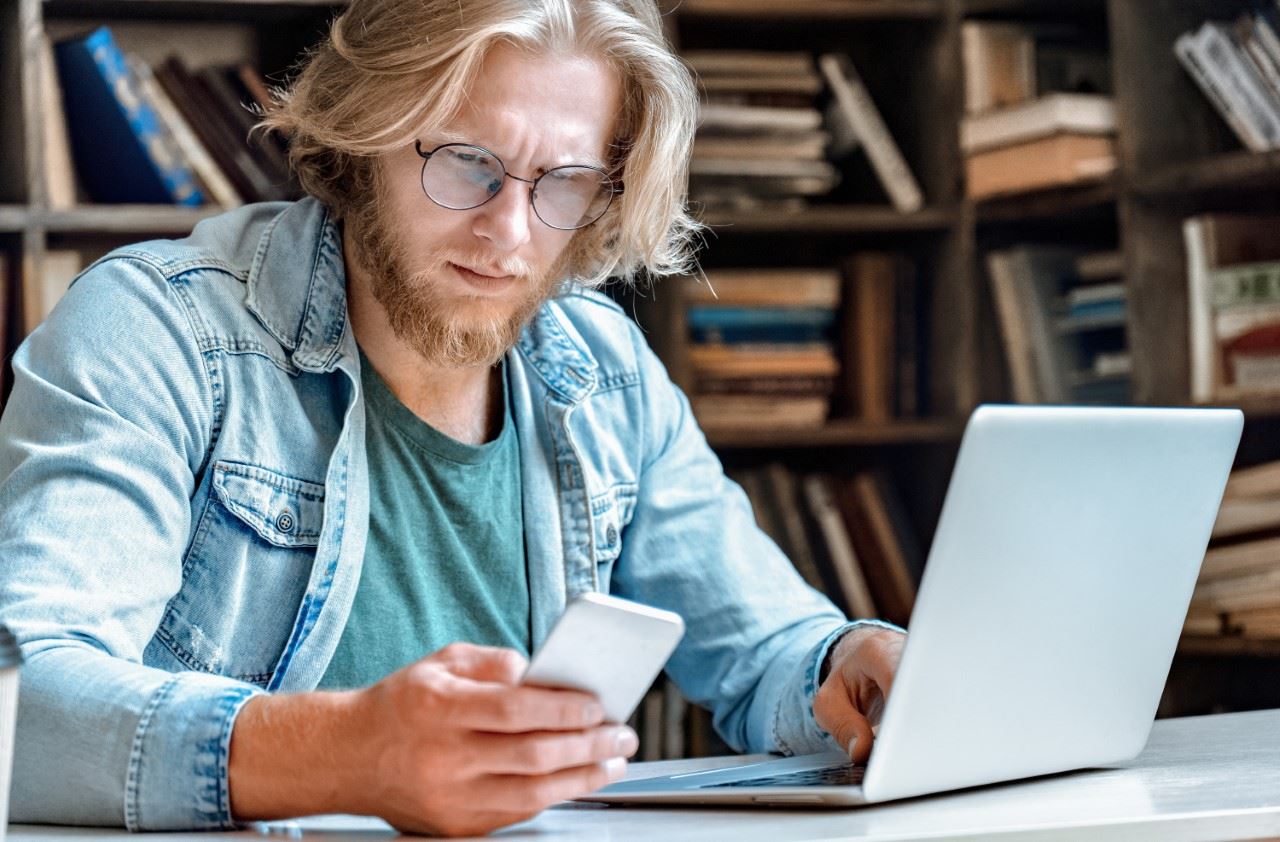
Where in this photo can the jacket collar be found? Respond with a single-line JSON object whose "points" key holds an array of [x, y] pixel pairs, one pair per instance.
{"points": [[297, 289]]}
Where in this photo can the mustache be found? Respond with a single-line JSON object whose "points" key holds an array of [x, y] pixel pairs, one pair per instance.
{"points": [[488, 264]]}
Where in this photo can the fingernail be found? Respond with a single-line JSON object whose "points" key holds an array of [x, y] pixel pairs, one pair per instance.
{"points": [[615, 767], [626, 742], [853, 743]]}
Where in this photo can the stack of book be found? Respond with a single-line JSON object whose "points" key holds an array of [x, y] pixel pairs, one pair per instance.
{"points": [[1063, 315], [772, 124], [848, 537], [126, 132], [1233, 280], [1037, 115], [1238, 592], [760, 139], [1237, 66], [760, 346]]}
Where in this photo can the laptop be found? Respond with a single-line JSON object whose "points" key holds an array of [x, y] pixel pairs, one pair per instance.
{"points": [[1046, 622]]}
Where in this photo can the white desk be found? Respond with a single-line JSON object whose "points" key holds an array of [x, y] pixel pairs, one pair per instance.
{"points": [[1203, 778]]}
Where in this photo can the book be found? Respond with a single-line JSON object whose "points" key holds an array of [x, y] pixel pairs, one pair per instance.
{"points": [[121, 150], [806, 84], [752, 324], [752, 412], [852, 585], [59, 168], [1244, 515], [1256, 481], [1048, 116], [860, 111], [754, 361], [784, 491], [1049, 162], [778, 386], [1188, 51], [766, 515], [869, 341], [766, 288], [727, 118], [999, 63], [1025, 282], [808, 146], [748, 62], [233, 105], [1228, 560], [1100, 266], [1239, 593], [1233, 288], [212, 180], [878, 546]]}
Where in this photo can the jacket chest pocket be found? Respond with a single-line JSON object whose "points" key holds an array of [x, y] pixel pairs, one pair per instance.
{"points": [[610, 513], [246, 572]]}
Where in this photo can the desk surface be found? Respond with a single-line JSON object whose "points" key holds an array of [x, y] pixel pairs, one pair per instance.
{"points": [[1201, 778]]}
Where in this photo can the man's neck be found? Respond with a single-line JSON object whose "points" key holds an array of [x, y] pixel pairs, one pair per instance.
{"points": [[464, 403]]}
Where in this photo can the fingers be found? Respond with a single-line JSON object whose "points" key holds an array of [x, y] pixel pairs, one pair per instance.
{"points": [[835, 711], [544, 753], [482, 663], [524, 793], [514, 710]]}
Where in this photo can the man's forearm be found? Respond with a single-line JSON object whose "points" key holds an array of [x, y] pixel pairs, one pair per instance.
{"points": [[290, 755]]}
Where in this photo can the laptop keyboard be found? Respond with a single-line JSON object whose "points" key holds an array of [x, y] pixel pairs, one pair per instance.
{"points": [[827, 776]]}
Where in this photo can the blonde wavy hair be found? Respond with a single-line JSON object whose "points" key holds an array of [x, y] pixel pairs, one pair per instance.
{"points": [[394, 70]]}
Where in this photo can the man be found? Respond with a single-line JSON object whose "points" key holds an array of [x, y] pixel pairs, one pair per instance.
{"points": [[315, 442]]}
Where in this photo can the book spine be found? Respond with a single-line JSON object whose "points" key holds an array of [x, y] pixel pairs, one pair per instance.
{"points": [[1223, 56], [889, 164], [1186, 49], [1200, 314], [168, 161]]}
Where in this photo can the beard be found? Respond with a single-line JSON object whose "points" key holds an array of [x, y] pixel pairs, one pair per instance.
{"points": [[444, 328]]}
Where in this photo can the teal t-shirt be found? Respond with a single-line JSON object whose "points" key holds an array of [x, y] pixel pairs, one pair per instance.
{"points": [[445, 559]]}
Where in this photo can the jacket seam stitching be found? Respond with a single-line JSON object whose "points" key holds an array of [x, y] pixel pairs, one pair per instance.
{"points": [[133, 806]]}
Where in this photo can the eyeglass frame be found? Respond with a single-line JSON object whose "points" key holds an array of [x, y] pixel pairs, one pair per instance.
{"points": [[614, 188]]}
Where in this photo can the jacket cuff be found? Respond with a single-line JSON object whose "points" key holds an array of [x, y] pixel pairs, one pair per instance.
{"points": [[796, 730], [189, 716]]}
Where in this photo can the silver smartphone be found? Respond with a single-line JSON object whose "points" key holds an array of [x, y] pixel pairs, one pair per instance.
{"points": [[610, 647]]}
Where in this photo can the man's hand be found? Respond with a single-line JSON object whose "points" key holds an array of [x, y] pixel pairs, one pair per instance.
{"points": [[449, 745], [850, 701]]}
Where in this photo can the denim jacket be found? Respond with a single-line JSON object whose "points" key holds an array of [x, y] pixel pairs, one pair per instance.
{"points": [[184, 500]]}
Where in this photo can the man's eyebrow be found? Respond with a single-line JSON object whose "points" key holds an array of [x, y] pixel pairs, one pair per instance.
{"points": [[449, 136]]}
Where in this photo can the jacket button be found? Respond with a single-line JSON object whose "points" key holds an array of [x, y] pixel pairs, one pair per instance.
{"points": [[284, 522], [611, 535]]}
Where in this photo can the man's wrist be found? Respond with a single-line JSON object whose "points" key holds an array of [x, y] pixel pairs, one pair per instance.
{"points": [[290, 755]]}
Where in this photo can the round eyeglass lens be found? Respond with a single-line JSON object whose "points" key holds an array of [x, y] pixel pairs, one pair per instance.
{"points": [[460, 177], [572, 197]]}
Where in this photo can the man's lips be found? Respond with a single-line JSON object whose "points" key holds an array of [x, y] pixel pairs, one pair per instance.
{"points": [[485, 273]]}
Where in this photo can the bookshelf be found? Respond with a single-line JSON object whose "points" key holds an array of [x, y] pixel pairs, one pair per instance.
{"points": [[1177, 158]]}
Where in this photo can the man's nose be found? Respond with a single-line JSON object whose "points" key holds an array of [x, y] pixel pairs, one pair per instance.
{"points": [[505, 219]]}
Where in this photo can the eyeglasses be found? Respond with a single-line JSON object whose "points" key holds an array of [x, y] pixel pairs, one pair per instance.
{"points": [[459, 176]]}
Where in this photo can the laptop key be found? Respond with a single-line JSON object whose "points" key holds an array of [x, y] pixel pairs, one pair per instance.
{"points": [[845, 775]]}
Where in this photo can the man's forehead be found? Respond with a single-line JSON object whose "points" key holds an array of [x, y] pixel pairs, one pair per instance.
{"points": [[558, 149]]}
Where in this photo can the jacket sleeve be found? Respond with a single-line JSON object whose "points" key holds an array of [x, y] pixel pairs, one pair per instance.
{"points": [[756, 633], [100, 443]]}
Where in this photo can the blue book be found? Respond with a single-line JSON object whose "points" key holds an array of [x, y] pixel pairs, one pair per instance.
{"points": [[736, 325], [121, 149]]}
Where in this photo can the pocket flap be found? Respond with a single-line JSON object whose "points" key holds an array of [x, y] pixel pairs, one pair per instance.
{"points": [[284, 511]]}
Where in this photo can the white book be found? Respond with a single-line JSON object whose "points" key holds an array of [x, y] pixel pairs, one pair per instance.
{"points": [[1092, 114], [1238, 80], [855, 101], [742, 118], [1185, 48]]}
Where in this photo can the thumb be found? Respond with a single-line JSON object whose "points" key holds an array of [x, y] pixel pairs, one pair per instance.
{"points": [[482, 663], [855, 736]]}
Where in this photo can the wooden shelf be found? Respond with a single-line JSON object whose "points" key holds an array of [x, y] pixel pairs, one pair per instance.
{"points": [[830, 219], [831, 9], [847, 432], [1243, 170], [1045, 204], [1221, 645], [12, 218], [122, 219]]}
